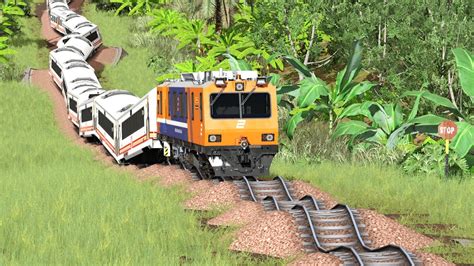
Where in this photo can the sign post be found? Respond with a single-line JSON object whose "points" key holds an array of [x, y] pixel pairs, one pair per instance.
{"points": [[447, 130]]}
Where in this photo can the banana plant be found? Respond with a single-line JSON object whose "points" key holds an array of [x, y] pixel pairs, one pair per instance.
{"points": [[314, 95], [4, 50], [463, 142], [387, 123]]}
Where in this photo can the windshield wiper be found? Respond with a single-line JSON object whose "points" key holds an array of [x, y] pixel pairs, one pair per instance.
{"points": [[217, 96], [248, 96]]}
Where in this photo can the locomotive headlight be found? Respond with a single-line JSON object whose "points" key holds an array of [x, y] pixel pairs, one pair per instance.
{"points": [[244, 143], [239, 86], [215, 138], [261, 81], [220, 82], [268, 137]]}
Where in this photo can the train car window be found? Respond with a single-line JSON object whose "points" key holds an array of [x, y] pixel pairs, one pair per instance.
{"points": [[160, 104], [73, 105], [257, 105], [93, 36], [175, 105], [184, 106], [106, 124], [86, 114], [179, 108], [227, 105], [169, 105], [200, 106], [191, 106], [133, 123], [56, 68]]}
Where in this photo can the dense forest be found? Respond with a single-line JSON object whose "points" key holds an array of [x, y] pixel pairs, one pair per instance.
{"points": [[357, 80]]}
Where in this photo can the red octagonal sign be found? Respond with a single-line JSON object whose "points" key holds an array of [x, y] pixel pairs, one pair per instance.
{"points": [[447, 129]]}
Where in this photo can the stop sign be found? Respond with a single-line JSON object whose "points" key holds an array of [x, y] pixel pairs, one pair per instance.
{"points": [[447, 129]]}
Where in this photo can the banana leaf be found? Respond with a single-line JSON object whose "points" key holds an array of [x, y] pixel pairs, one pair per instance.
{"points": [[464, 139], [465, 65]]}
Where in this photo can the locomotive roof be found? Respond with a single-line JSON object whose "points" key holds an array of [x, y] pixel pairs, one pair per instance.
{"points": [[114, 101]]}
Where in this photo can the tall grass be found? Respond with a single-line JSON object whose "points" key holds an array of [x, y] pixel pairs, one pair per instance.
{"points": [[60, 206]]}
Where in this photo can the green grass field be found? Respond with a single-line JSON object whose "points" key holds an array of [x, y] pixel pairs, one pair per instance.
{"points": [[390, 191], [60, 206]]}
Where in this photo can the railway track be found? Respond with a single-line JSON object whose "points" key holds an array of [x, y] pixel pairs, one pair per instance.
{"points": [[338, 231]]}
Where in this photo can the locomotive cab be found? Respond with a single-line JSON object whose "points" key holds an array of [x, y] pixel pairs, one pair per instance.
{"points": [[241, 126]]}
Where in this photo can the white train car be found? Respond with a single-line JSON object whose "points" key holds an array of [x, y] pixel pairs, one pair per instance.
{"points": [[60, 60], [78, 43], [58, 16], [125, 124], [51, 3], [77, 96]]}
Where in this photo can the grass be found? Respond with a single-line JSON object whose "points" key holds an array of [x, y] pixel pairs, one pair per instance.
{"points": [[132, 72], [389, 190], [60, 206]]}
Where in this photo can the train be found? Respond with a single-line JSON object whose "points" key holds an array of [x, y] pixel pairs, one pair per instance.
{"points": [[219, 123]]}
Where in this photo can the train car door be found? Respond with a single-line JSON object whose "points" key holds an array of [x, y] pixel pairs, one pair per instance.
{"points": [[196, 119]]}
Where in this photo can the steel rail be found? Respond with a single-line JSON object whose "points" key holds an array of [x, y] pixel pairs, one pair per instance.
{"points": [[362, 242], [316, 240], [313, 200], [283, 183], [250, 188], [274, 200]]}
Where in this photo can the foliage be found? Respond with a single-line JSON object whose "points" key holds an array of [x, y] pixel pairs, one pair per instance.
{"points": [[4, 50], [137, 7], [387, 124], [465, 67], [286, 27], [314, 95], [429, 159], [10, 10], [464, 140], [211, 49]]}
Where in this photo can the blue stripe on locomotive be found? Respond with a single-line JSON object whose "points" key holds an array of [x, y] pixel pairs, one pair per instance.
{"points": [[174, 131]]}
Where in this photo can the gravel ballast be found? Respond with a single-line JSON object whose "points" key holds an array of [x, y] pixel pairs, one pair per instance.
{"points": [[224, 194], [273, 234], [243, 213], [384, 231], [302, 189], [317, 259], [198, 187]]}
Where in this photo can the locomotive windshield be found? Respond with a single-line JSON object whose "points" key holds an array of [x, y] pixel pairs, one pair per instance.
{"points": [[240, 105]]}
